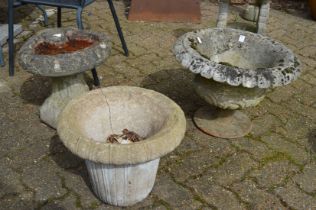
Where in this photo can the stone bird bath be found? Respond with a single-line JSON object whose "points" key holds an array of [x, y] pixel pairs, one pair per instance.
{"points": [[121, 174], [234, 69], [63, 55]]}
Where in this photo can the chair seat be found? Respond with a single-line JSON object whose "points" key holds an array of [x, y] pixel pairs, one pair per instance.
{"points": [[56, 3]]}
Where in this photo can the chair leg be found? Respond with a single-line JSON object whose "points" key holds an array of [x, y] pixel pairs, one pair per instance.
{"points": [[79, 19], [11, 37], [58, 17], [44, 14], [96, 80], [1, 57], [118, 27], [222, 14], [263, 17]]}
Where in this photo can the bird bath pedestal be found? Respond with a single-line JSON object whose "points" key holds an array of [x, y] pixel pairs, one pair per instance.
{"points": [[63, 55], [234, 69]]}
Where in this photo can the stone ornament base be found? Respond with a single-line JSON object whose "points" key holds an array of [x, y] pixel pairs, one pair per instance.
{"points": [[251, 13], [122, 185], [222, 123], [63, 90], [226, 96]]}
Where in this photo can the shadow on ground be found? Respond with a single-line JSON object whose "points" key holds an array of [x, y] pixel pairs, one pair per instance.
{"points": [[312, 140], [181, 31], [20, 13], [68, 161], [36, 89], [9, 193], [176, 84], [243, 26]]}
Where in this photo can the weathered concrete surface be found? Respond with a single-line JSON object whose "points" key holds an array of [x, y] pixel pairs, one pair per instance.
{"points": [[65, 68], [34, 60], [4, 32], [64, 89], [226, 96], [237, 57], [273, 167], [152, 115]]}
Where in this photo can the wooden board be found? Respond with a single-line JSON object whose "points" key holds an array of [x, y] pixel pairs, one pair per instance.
{"points": [[165, 10]]}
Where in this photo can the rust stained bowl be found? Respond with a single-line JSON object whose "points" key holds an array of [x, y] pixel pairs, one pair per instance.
{"points": [[63, 52], [71, 45]]}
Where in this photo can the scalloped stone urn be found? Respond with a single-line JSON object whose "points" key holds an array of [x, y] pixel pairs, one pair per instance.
{"points": [[234, 69], [63, 54], [122, 174]]}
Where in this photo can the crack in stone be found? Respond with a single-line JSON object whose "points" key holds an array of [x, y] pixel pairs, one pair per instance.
{"points": [[221, 161], [284, 203], [237, 196], [196, 196], [52, 199], [162, 202], [313, 194], [240, 151]]}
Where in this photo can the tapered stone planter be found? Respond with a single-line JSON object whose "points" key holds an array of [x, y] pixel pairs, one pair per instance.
{"points": [[121, 174], [234, 69], [63, 55], [251, 13]]}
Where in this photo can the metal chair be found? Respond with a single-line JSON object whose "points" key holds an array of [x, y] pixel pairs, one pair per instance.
{"points": [[16, 4], [71, 4]]}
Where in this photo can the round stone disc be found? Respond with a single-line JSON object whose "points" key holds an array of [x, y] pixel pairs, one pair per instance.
{"points": [[222, 123]]}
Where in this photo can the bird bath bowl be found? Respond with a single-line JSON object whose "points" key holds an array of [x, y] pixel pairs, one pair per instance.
{"points": [[234, 69], [121, 174], [63, 54]]}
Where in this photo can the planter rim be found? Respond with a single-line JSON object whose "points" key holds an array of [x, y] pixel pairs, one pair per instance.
{"points": [[64, 64], [279, 75], [153, 147]]}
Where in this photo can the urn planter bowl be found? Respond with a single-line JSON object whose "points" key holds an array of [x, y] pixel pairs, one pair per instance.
{"points": [[63, 54], [121, 174], [234, 69]]}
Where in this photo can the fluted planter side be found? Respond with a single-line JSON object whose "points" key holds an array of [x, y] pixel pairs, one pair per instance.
{"points": [[122, 185]]}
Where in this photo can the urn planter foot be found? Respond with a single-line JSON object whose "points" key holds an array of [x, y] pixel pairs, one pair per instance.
{"points": [[222, 123]]}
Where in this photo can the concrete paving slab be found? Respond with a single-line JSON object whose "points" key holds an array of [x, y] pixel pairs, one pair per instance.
{"points": [[4, 32]]}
